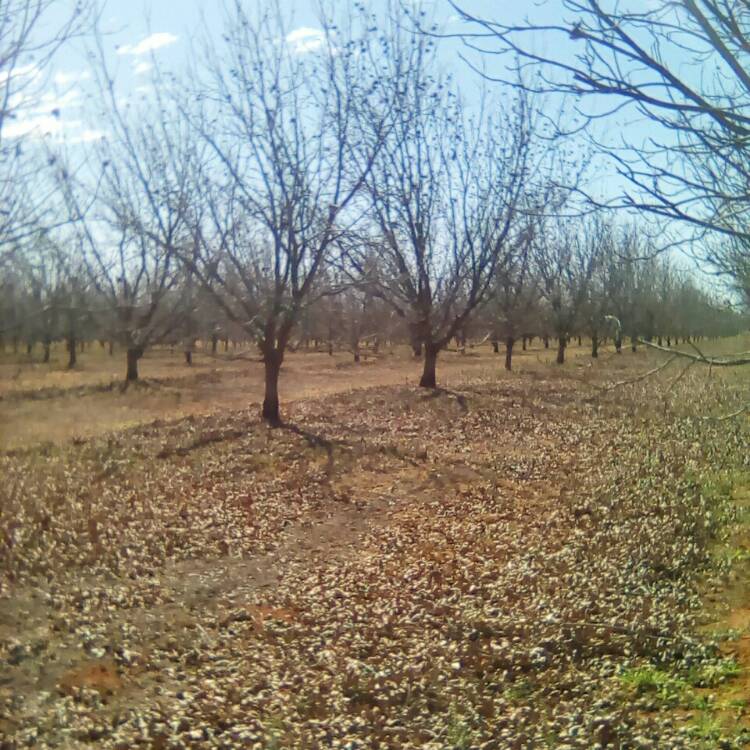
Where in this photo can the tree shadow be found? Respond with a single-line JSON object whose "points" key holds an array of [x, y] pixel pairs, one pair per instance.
{"points": [[459, 397], [314, 441]]}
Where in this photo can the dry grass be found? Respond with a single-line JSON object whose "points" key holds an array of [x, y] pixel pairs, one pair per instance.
{"points": [[486, 565], [48, 403]]}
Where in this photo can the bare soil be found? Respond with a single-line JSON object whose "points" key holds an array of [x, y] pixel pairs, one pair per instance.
{"points": [[472, 567], [41, 402]]}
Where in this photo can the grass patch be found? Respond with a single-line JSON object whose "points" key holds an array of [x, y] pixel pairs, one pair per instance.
{"points": [[672, 688]]}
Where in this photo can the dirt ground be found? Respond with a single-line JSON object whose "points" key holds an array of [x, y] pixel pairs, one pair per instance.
{"points": [[47, 402], [536, 559]]}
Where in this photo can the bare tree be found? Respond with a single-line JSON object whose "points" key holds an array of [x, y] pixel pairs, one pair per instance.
{"points": [[31, 33], [130, 269], [513, 300], [447, 194], [655, 59], [566, 255], [288, 160]]}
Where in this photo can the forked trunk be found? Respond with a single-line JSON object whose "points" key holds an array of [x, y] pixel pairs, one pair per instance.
{"points": [[428, 379], [133, 355], [509, 352], [270, 412], [562, 342]]}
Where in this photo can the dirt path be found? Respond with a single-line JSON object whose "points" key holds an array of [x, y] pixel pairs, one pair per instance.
{"points": [[59, 405], [727, 612]]}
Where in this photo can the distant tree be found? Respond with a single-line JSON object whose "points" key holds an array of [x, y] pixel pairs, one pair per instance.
{"points": [[447, 193], [654, 58], [567, 252], [513, 300]]}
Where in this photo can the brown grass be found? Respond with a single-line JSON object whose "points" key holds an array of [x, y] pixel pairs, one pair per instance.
{"points": [[48, 403]]}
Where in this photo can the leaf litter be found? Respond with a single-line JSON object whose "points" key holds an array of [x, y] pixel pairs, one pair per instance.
{"points": [[392, 570]]}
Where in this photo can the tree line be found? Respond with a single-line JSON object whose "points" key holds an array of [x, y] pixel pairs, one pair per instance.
{"points": [[346, 193]]}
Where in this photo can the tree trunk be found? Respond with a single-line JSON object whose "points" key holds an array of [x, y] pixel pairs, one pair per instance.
{"points": [[580, 341], [562, 342], [428, 379], [214, 343], [509, 352], [633, 346], [270, 412], [594, 344], [29, 347], [495, 347], [15, 345], [71, 351], [546, 341], [111, 347], [659, 341], [669, 341], [523, 344], [45, 359], [188, 357], [618, 343], [133, 355]]}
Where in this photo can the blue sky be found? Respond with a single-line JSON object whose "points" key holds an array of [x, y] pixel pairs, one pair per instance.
{"points": [[137, 34]]}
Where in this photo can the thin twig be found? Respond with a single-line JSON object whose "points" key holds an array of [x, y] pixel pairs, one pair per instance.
{"points": [[637, 379]]}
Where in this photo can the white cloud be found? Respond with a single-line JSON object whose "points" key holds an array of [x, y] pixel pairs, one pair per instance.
{"points": [[39, 125], [50, 101], [306, 39], [142, 67], [149, 44], [63, 78], [21, 71], [86, 136], [49, 126]]}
